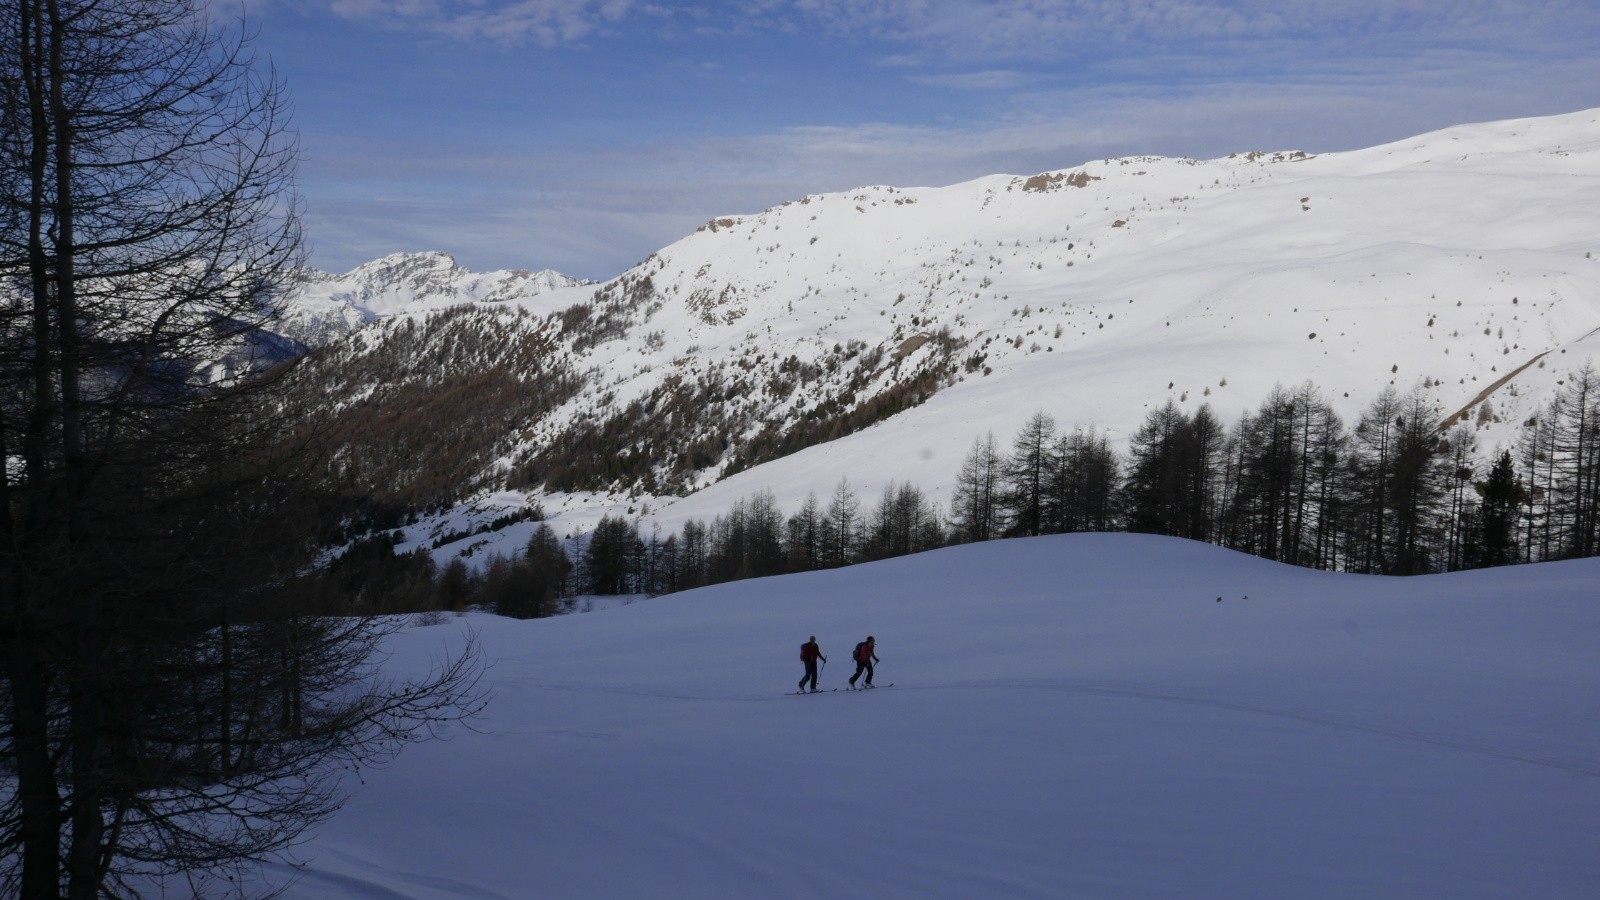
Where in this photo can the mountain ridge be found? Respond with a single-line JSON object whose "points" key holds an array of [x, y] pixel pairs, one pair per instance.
{"points": [[321, 307], [875, 332]]}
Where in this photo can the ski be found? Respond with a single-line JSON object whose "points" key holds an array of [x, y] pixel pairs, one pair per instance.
{"points": [[867, 687]]}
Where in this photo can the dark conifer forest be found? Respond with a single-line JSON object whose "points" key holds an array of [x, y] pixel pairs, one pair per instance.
{"points": [[1394, 493]]}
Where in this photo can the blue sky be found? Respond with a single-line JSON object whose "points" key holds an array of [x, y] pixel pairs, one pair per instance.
{"points": [[582, 135]]}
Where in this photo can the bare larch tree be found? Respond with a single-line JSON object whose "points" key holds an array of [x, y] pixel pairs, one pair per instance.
{"points": [[168, 707]]}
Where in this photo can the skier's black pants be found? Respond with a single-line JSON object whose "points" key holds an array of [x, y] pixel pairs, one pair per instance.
{"points": [[811, 675], [862, 667]]}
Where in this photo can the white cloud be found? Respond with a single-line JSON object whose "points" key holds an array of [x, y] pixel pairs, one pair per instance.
{"points": [[994, 79], [544, 22], [978, 31], [969, 30]]}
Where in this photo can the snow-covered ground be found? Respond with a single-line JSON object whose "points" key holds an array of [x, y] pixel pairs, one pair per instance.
{"points": [[1074, 716]]}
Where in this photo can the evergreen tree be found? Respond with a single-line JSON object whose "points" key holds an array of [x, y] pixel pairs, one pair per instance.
{"points": [[455, 587], [1419, 487], [1371, 466], [1083, 476], [1284, 467], [1026, 475], [611, 557], [1502, 498], [550, 567], [1399, 483], [1162, 474], [1205, 446]]}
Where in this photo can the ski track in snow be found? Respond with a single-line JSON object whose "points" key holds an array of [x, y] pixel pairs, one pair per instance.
{"points": [[1483, 748], [344, 884]]}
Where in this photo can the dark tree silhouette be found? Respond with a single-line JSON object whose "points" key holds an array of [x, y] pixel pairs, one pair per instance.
{"points": [[1027, 475], [1496, 535], [1082, 487], [611, 555], [172, 706], [1162, 474], [975, 508]]}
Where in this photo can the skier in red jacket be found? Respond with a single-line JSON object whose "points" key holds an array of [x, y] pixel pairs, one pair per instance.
{"points": [[809, 654], [865, 655]]}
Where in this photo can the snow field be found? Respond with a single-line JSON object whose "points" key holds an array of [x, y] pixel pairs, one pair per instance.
{"points": [[1074, 716]]}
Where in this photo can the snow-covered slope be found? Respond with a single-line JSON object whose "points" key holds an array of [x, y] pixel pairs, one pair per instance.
{"points": [[1076, 716], [324, 307], [1454, 258], [1461, 260]]}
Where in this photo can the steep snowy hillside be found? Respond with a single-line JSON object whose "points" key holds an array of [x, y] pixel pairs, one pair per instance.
{"points": [[1077, 716], [326, 307], [874, 333]]}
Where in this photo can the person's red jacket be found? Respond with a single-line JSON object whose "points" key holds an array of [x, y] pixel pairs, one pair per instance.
{"points": [[810, 651]]}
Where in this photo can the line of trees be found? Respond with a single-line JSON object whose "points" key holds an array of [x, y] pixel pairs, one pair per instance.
{"points": [[1395, 494]]}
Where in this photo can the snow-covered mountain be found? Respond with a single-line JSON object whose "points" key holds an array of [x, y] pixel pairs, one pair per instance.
{"points": [[1073, 716], [874, 333], [324, 307]]}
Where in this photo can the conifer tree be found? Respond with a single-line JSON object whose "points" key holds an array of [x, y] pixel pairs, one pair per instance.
{"points": [[1285, 461], [611, 557], [1083, 481], [1398, 479], [1502, 498], [1161, 474], [1027, 474]]}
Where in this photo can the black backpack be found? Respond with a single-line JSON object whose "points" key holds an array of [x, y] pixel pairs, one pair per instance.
{"points": [[861, 652]]}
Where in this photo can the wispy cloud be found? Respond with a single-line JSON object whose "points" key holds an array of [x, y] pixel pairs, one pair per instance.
{"points": [[967, 30], [995, 79], [543, 22]]}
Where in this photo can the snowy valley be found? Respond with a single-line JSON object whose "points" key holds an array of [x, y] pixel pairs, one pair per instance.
{"points": [[1071, 716], [1212, 478], [875, 333]]}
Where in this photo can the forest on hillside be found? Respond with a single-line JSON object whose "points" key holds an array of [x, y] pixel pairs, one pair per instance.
{"points": [[1394, 494]]}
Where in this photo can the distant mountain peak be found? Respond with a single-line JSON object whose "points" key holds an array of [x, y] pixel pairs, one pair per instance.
{"points": [[323, 307]]}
